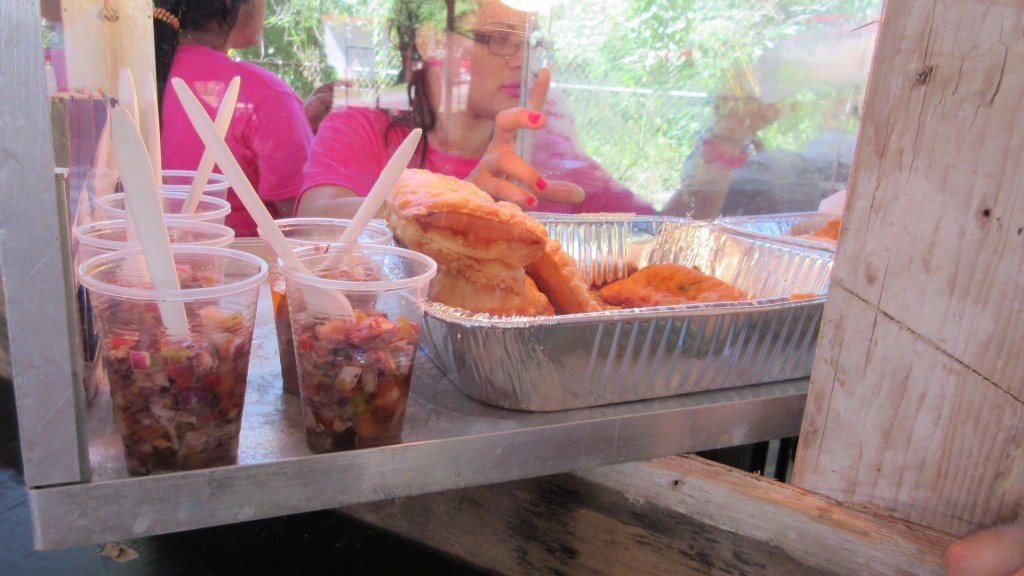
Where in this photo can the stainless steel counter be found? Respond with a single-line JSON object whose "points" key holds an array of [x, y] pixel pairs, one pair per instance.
{"points": [[449, 441]]}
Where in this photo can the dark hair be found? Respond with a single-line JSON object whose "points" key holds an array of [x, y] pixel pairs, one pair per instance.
{"points": [[193, 15], [406, 18]]}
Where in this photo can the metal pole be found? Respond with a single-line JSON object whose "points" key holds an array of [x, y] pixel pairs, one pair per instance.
{"points": [[35, 261]]}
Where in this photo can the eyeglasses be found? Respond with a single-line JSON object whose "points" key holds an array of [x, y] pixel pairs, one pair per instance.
{"points": [[499, 42]]}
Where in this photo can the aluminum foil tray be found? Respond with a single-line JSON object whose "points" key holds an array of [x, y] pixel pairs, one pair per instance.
{"points": [[782, 227], [584, 360]]}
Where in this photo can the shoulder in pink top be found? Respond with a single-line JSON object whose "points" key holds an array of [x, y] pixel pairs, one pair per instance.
{"points": [[353, 144], [269, 134]]}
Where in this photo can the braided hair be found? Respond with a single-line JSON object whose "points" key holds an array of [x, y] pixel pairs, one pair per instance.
{"points": [[193, 16]]}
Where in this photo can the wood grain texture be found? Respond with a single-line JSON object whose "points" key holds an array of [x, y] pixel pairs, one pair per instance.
{"points": [[900, 426], [935, 221], [677, 515], [916, 393], [106, 37]]}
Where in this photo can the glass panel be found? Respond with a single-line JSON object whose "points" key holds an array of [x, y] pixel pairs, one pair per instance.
{"points": [[694, 107]]}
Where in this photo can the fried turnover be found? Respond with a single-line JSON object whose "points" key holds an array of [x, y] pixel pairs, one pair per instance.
{"points": [[668, 284], [828, 231], [491, 256]]}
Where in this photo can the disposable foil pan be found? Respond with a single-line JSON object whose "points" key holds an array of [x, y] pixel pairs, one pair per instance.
{"points": [[592, 359], [785, 228]]}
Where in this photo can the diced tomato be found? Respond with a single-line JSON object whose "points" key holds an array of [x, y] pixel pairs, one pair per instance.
{"points": [[211, 381], [335, 330], [305, 342], [375, 332], [121, 341]]}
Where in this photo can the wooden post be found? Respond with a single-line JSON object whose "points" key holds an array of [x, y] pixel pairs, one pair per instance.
{"points": [[915, 405], [103, 36]]}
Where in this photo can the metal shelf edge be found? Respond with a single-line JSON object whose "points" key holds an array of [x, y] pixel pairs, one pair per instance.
{"points": [[127, 508]]}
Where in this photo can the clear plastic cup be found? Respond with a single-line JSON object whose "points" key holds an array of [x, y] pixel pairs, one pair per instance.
{"points": [[178, 403], [302, 232], [110, 235], [354, 372], [208, 209], [180, 181]]}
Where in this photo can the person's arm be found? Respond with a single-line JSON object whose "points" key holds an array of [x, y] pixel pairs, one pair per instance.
{"points": [[319, 103], [702, 194], [328, 201], [285, 207], [724, 149]]}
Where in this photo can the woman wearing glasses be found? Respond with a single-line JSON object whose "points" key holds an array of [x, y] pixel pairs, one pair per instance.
{"points": [[463, 64]]}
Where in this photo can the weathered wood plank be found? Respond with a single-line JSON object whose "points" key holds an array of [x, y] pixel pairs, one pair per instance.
{"points": [[928, 440], [916, 392], [101, 38], [935, 221], [678, 515]]}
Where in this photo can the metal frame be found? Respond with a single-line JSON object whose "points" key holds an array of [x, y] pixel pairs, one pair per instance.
{"points": [[35, 262], [78, 488]]}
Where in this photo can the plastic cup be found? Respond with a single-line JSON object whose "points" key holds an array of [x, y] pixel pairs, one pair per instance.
{"points": [[302, 232], [178, 404], [180, 181], [209, 208], [110, 235], [354, 372]]}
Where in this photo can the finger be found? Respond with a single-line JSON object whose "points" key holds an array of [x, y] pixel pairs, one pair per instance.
{"points": [[510, 165], [539, 91], [502, 189], [563, 192], [507, 165], [557, 191], [508, 122]]}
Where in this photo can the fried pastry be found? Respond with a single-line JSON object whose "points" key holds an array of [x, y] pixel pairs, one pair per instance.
{"points": [[491, 256], [829, 231], [668, 284], [556, 274]]}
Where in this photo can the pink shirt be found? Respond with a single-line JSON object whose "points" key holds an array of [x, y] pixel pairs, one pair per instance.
{"points": [[351, 148], [269, 134]]}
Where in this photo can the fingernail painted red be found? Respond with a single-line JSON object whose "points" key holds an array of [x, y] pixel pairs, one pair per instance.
{"points": [[541, 184], [534, 117], [531, 201]]}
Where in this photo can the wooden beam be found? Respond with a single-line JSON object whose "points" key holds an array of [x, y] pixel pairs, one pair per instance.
{"points": [[102, 37], [916, 393], [676, 515]]}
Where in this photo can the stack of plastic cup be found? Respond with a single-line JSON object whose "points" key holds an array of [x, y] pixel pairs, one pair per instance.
{"points": [[208, 209], [110, 235], [302, 232], [355, 371], [180, 181]]}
